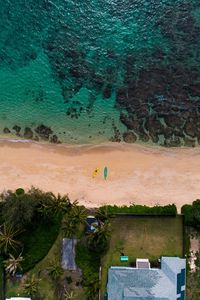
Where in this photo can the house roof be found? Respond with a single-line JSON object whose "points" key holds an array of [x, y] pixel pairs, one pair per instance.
{"points": [[68, 254], [144, 284]]}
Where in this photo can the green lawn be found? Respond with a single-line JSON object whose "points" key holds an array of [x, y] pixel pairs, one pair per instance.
{"points": [[38, 240], [142, 237]]}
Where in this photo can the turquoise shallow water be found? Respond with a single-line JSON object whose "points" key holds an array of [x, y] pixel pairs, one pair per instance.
{"points": [[99, 70]]}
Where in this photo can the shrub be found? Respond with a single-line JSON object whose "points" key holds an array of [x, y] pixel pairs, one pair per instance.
{"points": [[89, 263], [18, 210], [19, 191], [192, 214], [142, 210], [187, 211], [69, 279]]}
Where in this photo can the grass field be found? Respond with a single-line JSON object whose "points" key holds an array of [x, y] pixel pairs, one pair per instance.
{"points": [[142, 237]]}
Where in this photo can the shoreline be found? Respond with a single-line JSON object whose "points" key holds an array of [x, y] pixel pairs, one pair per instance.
{"points": [[137, 174], [15, 139]]}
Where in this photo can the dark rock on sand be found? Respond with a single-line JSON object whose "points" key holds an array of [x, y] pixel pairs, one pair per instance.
{"points": [[44, 131], [54, 139], [168, 131], [189, 142], [154, 137], [28, 133], [129, 137], [17, 128], [173, 141], [36, 138], [143, 136], [6, 130]]}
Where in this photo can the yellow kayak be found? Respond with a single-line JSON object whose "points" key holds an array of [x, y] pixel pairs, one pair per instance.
{"points": [[94, 174]]}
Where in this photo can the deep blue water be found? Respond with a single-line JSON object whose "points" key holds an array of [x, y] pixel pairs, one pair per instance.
{"points": [[99, 70]]}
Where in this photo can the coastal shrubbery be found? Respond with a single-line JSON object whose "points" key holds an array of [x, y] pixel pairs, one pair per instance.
{"points": [[192, 214], [140, 210], [36, 218]]}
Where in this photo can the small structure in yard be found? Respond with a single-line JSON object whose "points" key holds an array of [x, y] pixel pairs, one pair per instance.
{"points": [[123, 258], [144, 282], [142, 263], [91, 224], [68, 254]]}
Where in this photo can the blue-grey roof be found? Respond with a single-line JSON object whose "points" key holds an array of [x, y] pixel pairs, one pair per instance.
{"points": [[145, 284], [68, 254]]}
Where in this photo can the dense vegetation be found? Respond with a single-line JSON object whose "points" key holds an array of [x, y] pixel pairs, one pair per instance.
{"points": [[30, 224], [192, 214], [31, 221], [89, 262], [141, 209]]}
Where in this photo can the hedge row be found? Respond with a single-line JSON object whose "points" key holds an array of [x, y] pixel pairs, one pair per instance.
{"points": [[192, 214], [141, 209]]}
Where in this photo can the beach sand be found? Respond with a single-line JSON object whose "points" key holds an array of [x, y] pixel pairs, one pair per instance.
{"points": [[136, 174]]}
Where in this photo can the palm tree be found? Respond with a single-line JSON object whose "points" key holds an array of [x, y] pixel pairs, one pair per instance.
{"points": [[46, 208], [103, 213], [69, 295], [7, 238], [69, 228], [78, 214], [75, 217], [60, 204], [55, 270], [92, 287], [12, 264], [98, 240], [31, 286]]}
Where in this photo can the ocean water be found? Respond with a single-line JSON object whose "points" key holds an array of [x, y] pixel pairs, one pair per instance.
{"points": [[101, 70]]}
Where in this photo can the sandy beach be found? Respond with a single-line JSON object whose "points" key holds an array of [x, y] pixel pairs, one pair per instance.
{"points": [[136, 174]]}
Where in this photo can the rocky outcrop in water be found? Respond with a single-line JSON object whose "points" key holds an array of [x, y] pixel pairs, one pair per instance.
{"points": [[43, 131], [6, 130], [17, 129], [54, 139], [129, 137], [160, 104], [28, 133]]}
